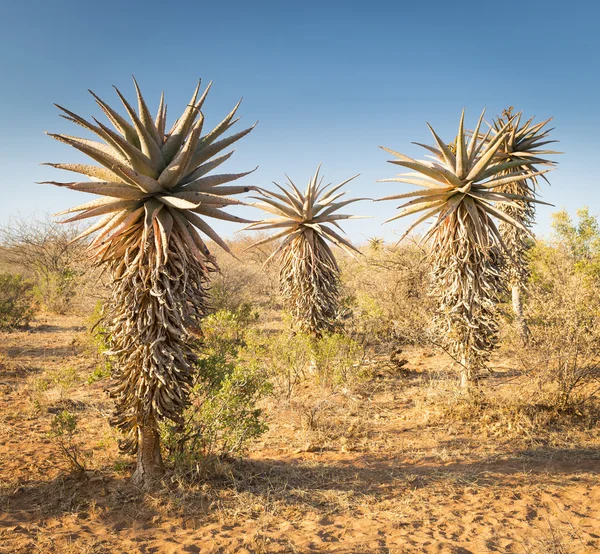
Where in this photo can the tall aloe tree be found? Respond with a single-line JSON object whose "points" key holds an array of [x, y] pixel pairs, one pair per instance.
{"points": [[523, 142], [461, 190], [309, 273], [156, 196]]}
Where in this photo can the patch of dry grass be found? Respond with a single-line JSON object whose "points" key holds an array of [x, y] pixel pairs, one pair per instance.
{"points": [[397, 461]]}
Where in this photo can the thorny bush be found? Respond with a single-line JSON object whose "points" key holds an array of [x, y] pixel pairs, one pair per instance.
{"points": [[16, 301]]}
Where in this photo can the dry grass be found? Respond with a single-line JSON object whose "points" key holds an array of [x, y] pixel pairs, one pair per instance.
{"points": [[398, 462]]}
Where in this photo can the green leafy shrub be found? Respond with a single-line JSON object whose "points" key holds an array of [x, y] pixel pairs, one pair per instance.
{"points": [[16, 301], [56, 291], [223, 414], [98, 336], [580, 240], [287, 356], [292, 358], [224, 330], [338, 360], [63, 431]]}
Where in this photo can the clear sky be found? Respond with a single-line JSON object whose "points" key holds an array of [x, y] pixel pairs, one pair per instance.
{"points": [[328, 81]]}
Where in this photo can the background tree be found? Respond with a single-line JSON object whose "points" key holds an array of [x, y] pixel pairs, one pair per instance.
{"points": [[45, 252], [580, 238], [156, 195], [462, 189], [522, 147], [309, 273]]}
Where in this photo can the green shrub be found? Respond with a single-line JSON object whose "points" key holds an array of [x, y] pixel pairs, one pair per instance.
{"points": [[223, 414], [338, 360], [62, 432], [56, 291], [98, 336], [16, 301], [292, 358], [224, 330], [287, 356]]}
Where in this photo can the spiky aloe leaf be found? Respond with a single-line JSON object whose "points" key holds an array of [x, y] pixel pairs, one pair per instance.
{"points": [[309, 273], [156, 192], [524, 145], [139, 162], [461, 189]]}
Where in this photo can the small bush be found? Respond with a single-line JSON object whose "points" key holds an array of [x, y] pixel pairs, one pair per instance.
{"points": [[16, 301], [287, 356], [386, 291], [338, 360], [98, 336], [292, 358], [62, 432], [61, 378], [223, 414], [56, 291], [224, 330]]}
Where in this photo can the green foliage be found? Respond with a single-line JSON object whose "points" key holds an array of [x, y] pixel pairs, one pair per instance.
{"points": [[100, 372], [98, 335], [370, 319], [224, 330], [287, 356], [62, 432], [16, 301], [331, 360], [564, 313], [56, 291], [62, 378], [338, 360], [223, 414], [580, 239]]}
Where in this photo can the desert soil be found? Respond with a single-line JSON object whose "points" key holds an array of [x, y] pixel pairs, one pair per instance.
{"points": [[366, 471]]}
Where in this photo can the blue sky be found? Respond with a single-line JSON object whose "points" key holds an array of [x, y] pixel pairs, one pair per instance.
{"points": [[327, 81]]}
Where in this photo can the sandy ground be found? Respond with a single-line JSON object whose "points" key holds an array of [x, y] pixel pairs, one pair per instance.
{"points": [[372, 473]]}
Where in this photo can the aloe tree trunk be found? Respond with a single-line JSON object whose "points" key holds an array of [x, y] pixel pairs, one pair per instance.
{"points": [[467, 372], [149, 465]]}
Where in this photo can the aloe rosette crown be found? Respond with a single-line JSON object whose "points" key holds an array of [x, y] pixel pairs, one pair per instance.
{"points": [[461, 188], [157, 190], [152, 179], [309, 273], [523, 142], [521, 146]]}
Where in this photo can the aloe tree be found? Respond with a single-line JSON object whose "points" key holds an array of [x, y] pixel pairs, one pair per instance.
{"points": [[523, 143], [461, 189], [156, 196], [309, 273]]}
